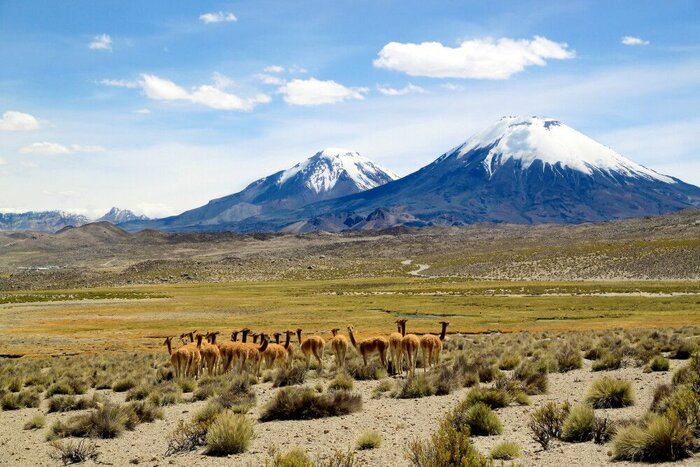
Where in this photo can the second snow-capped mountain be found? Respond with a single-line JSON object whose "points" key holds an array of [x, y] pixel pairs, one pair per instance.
{"points": [[328, 174]]}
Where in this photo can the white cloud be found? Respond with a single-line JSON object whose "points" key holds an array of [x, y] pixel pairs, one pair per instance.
{"points": [[51, 149], [18, 121], [452, 87], [157, 88], [273, 69], [101, 42], [270, 79], [632, 40], [486, 58], [221, 81], [408, 89], [316, 92], [120, 83], [217, 17], [142, 111]]}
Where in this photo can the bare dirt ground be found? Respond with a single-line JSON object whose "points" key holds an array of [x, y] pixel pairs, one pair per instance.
{"points": [[397, 420]]}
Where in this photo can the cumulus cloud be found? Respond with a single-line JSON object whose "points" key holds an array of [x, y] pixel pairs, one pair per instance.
{"points": [[632, 40], [52, 149], [316, 92], [408, 89], [18, 121], [157, 88], [120, 83], [221, 81], [142, 111], [486, 58], [270, 79], [273, 69], [101, 42], [217, 17]]}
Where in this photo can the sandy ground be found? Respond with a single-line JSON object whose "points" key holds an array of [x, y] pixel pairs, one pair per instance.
{"points": [[398, 421]]}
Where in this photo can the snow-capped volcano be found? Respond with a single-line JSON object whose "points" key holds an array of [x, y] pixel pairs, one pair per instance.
{"points": [[119, 216], [530, 139], [326, 169], [328, 174]]}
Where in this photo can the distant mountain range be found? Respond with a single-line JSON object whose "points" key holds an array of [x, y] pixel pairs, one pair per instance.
{"points": [[525, 170], [520, 170], [52, 221]]}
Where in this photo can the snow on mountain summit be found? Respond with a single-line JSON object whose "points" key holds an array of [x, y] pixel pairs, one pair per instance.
{"points": [[321, 172], [528, 139]]}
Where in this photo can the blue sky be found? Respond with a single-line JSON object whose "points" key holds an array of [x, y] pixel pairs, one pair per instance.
{"points": [[159, 106]]}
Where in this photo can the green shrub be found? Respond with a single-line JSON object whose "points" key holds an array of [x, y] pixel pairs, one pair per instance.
{"points": [[123, 385], [579, 425], [506, 451], [415, 387], [208, 413], [68, 403], [547, 422], [607, 361], [568, 359], [36, 422], [660, 439], [289, 376], [146, 412], [293, 458], [229, 433], [342, 381], [305, 403], [608, 393], [479, 418], [368, 440], [360, 372], [494, 398], [509, 361], [448, 446], [237, 396], [659, 363], [108, 421], [186, 437]]}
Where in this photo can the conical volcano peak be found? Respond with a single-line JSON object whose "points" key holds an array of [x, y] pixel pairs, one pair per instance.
{"points": [[544, 139]]}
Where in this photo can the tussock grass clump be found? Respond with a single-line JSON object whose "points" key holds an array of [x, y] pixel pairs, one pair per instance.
{"points": [[69, 403], [305, 403], [659, 363], [69, 386], [289, 376], [186, 437], [108, 421], [237, 396], [229, 433], [415, 387], [69, 452], [610, 393], [448, 446], [579, 425], [19, 400], [659, 439], [547, 422], [493, 398], [682, 349], [36, 422], [568, 358], [123, 385], [145, 412], [341, 381], [293, 458], [479, 419], [368, 440], [360, 372], [506, 451], [509, 361], [607, 361]]}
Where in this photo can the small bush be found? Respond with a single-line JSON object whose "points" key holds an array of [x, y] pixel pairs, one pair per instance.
{"points": [[187, 385], [479, 418], [208, 413], [229, 433], [360, 372], [415, 387], [509, 361], [289, 376], [660, 439], [568, 358], [494, 398], [305, 404], [579, 425], [108, 421], [292, 458], [146, 412], [368, 440], [607, 361], [342, 381], [138, 393], [506, 451], [659, 363], [36, 422], [610, 393], [338, 459], [446, 447], [237, 396], [547, 422], [123, 385], [68, 403], [69, 452], [683, 349], [10, 401], [187, 436]]}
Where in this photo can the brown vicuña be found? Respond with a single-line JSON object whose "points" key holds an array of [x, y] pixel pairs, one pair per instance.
{"points": [[312, 346], [395, 353], [369, 345], [339, 345], [409, 348], [431, 345]]}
